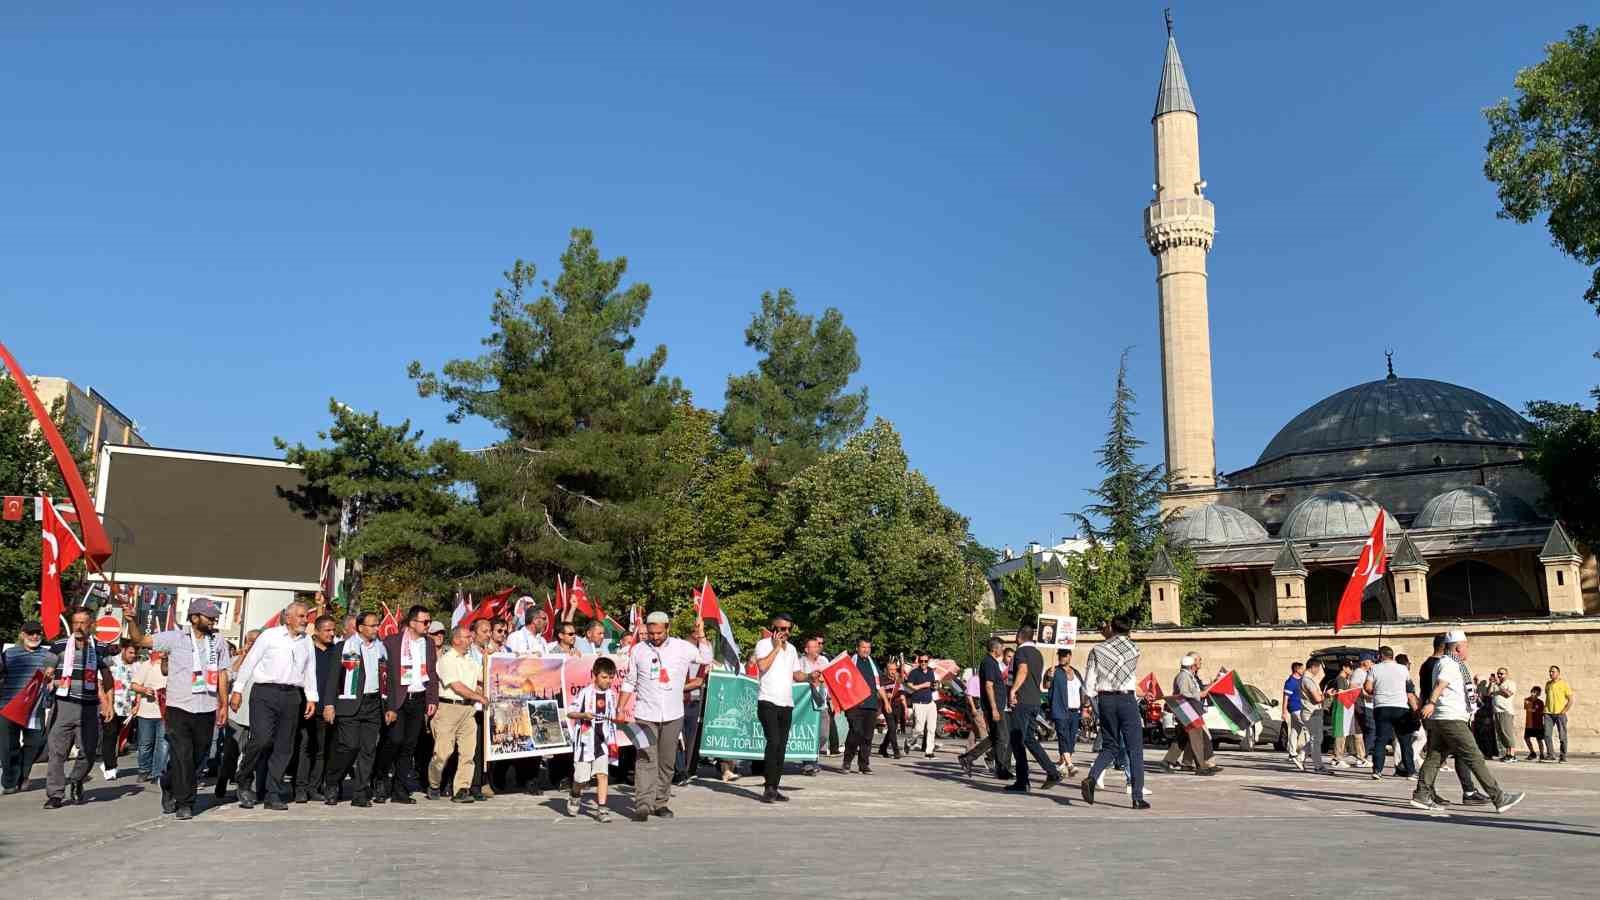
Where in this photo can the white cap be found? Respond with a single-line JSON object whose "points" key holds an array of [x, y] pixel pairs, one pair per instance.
{"points": [[524, 599], [1186, 662], [657, 618], [1454, 636]]}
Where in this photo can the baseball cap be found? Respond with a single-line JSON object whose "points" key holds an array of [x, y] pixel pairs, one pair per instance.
{"points": [[204, 606], [435, 627], [32, 626]]}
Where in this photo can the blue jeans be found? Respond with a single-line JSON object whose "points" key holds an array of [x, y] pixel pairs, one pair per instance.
{"points": [[152, 738], [1121, 723], [1067, 733]]}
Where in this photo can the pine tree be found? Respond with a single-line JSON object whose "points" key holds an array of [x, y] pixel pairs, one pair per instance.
{"points": [[1128, 499], [793, 407]]}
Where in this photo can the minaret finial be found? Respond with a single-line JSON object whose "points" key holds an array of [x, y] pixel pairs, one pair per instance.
{"points": [[1168, 13], [1388, 356]]}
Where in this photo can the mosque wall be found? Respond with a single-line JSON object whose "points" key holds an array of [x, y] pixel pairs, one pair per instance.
{"points": [[1525, 647]]}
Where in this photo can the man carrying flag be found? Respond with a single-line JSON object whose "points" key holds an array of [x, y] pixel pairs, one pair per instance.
{"points": [[59, 549], [1366, 580], [1193, 740]]}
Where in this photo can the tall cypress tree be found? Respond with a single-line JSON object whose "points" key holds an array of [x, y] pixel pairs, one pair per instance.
{"points": [[1127, 500]]}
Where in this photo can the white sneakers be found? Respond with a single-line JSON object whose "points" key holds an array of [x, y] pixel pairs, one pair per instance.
{"points": [[110, 774]]}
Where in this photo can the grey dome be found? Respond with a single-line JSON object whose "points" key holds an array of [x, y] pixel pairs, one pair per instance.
{"points": [[1473, 505], [1396, 411], [1334, 514], [1215, 524]]}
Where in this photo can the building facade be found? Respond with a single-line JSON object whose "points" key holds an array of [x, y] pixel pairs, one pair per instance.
{"points": [[96, 420]]}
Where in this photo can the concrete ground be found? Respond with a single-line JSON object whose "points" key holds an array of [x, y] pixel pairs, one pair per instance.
{"points": [[915, 827]]}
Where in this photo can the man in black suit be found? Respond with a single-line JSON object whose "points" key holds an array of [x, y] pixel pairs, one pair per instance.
{"points": [[314, 742], [413, 697], [355, 706]]}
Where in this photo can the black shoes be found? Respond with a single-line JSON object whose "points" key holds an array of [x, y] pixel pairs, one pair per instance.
{"points": [[185, 814], [407, 799], [275, 805], [772, 795], [480, 798], [663, 813], [52, 803], [433, 793], [168, 804], [640, 815], [966, 765], [1050, 781], [1087, 787], [247, 798], [330, 801], [361, 803], [75, 793], [1016, 788], [461, 796], [1141, 804]]}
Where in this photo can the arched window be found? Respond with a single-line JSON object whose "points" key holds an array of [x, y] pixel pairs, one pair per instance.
{"points": [[1470, 589], [1226, 607]]}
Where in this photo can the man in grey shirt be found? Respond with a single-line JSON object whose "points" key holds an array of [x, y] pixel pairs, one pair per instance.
{"points": [[197, 674]]}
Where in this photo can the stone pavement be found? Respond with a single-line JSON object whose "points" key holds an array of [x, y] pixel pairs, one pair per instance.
{"points": [[915, 827]]}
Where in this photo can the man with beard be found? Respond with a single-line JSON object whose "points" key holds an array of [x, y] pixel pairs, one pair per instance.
{"points": [[197, 675], [659, 670], [20, 745], [315, 740], [281, 672], [413, 698], [83, 701]]}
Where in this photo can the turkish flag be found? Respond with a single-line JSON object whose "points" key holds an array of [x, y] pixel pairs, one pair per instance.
{"points": [[1369, 572], [13, 509], [581, 602], [389, 626], [845, 684], [59, 549], [493, 607]]}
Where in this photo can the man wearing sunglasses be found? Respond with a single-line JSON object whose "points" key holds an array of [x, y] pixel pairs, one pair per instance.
{"points": [[780, 669], [413, 697]]}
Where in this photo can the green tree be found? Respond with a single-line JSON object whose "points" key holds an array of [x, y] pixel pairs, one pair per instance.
{"points": [[1127, 501], [1566, 456], [1019, 597], [1543, 153], [793, 407], [28, 469], [573, 484], [870, 550], [1107, 581]]}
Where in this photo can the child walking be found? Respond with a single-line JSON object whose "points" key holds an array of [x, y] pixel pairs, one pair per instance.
{"points": [[593, 737]]}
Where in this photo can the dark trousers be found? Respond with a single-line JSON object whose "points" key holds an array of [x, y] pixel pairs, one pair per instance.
{"points": [[396, 759], [315, 745], [891, 733], [689, 754], [1121, 723], [188, 741], [1025, 740], [110, 736], [275, 712], [227, 757], [998, 740], [775, 721], [1387, 718], [858, 744], [20, 748], [355, 749]]}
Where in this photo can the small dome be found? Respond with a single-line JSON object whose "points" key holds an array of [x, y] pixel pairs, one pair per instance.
{"points": [[1334, 514], [1473, 505], [1214, 524], [1397, 411]]}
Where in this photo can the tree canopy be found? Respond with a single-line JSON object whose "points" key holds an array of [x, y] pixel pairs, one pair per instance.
{"points": [[27, 468]]}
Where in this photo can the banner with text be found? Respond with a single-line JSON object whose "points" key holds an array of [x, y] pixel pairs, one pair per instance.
{"points": [[730, 729]]}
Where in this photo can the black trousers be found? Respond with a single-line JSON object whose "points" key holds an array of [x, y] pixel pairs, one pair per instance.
{"points": [[775, 722], [188, 741], [355, 749], [1386, 718], [20, 748], [315, 741], [275, 712], [891, 734], [858, 746], [109, 734], [396, 758], [999, 741]]}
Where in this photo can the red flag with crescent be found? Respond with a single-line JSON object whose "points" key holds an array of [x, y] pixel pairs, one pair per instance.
{"points": [[845, 684], [1369, 572], [59, 549]]}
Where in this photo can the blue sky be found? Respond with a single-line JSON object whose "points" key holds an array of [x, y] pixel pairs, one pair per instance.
{"points": [[220, 219]]}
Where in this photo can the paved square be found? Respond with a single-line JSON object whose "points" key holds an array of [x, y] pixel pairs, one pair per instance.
{"points": [[915, 827]]}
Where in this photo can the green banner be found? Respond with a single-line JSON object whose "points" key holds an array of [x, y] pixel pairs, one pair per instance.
{"points": [[730, 729]]}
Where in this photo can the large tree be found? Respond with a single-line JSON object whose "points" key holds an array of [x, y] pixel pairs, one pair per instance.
{"points": [[1544, 148], [572, 485], [793, 407], [1566, 454], [870, 550], [27, 469]]}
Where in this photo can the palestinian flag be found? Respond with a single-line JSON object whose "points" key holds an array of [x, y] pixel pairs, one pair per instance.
{"points": [[706, 607], [1345, 721], [1365, 581], [1227, 692], [1188, 713], [614, 631]]}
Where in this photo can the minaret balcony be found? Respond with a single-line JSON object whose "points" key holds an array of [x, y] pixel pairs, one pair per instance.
{"points": [[1180, 222]]}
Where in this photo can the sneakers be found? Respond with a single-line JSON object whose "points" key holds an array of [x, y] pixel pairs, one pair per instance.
{"points": [[1298, 763], [1377, 776], [1141, 804], [1475, 798], [184, 814], [572, 807], [75, 792], [1087, 787], [1425, 804], [966, 766], [603, 816], [461, 796], [1128, 789], [1507, 801], [110, 774]]}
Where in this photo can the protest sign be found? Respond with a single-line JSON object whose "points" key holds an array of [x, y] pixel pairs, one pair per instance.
{"points": [[730, 729], [576, 673], [526, 708]]}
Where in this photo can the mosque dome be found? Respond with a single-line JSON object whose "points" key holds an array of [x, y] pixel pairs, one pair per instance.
{"points": [[1214, 523], [1472, 506], [1397, 411], [1334, 514]]}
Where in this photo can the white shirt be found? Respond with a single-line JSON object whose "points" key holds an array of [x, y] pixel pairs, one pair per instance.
{"points": [[372, 657], [777, 682], [656, 700], [1389, 684], [809, 666], [1452, 703], [279, 658], [523, 642], [1357, 679]]}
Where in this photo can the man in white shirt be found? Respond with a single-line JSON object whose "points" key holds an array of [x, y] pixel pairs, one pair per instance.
{"points": [[593, 642], [1386, 687], [1358, 679], [812, 662], [658, 673], [281, 675], [1446, 708], [779, 665], [530, 641], [412, 663], [1503, 691]]}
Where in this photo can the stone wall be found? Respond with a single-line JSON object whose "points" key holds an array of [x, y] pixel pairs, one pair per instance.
{"points": [[1262, 654]]}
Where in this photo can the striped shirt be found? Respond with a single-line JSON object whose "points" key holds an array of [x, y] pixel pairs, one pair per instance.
{"points": [[19, 664]]}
